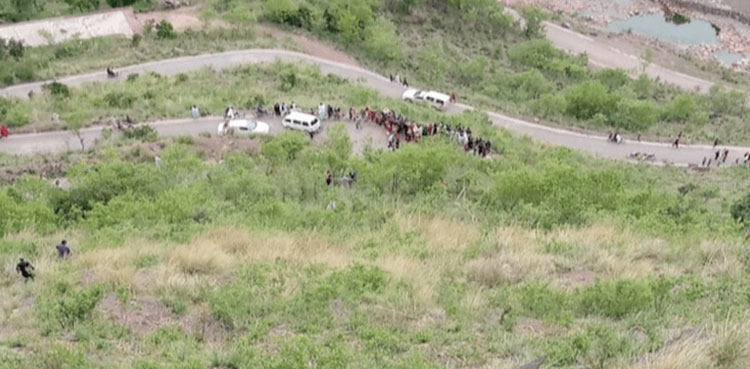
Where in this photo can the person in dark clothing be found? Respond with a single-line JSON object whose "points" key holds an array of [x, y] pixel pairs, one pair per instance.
{"points": [[63, 251], [406, 84], [329, 178], [718, 153], [25, 268], [716, 142]]}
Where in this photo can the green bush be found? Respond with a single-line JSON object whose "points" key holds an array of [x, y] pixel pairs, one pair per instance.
{"points": [[142, 133], [57, 89], [165, 30], [740, 210], [61, 306], [120, 3], [616, 299], [589, 98]]}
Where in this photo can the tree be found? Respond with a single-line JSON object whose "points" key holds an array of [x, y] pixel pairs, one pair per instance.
{"points": [[165, 30], [83, 5], [382, 43], [588, 99], [681, 108], [647, 58], [75, 120], [534, 18], [635, 115]]}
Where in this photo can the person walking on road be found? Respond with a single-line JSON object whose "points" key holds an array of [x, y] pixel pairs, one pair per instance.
{"points": [[195, 112], [3, 131], [63, 251], [25, 268]]}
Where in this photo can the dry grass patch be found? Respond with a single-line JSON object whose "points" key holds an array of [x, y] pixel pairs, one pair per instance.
{"points": [[441, 234], [510, 267], [115, 265]]}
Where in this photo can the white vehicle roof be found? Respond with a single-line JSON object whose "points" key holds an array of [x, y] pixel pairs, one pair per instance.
{"points": [[438, 95], [241, 123], [300, 116]]}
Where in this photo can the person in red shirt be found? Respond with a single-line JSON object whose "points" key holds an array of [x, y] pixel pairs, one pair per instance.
{"points": [[4, 131]]}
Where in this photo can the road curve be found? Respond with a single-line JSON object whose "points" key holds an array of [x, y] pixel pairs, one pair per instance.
{"points": [[604, 56], [593, 144]]}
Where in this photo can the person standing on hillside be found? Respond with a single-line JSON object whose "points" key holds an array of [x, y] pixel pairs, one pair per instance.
{"points": [[329, 178], [63, 251], [25, 268]]}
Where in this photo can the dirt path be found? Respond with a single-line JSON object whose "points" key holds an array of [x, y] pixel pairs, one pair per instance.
{"points": [[187, 18], [311, 46]]}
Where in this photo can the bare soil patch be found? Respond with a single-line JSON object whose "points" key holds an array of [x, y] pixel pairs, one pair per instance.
{"points": [[144, 315], [310, 46]]}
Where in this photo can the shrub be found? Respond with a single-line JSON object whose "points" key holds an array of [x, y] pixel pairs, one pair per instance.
{"points": [[122, 100], [24, 71], [57, 89], [62, 306], [120, 3], [616, 299], [587, 99], [740, 210], [136, 41], [15, 49], [165, 30], [635, 115], [142, 133]]}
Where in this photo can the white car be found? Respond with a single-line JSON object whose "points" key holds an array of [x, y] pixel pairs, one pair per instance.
{"points": [[433, 98], [301, 122], [243, 126]]}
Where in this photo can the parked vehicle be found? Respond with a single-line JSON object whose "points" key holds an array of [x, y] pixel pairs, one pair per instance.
{"points": [[302, 122], [436, 99], [243, 126]]}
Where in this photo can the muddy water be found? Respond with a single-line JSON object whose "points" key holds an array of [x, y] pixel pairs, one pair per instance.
{"points": [[655, 25]]}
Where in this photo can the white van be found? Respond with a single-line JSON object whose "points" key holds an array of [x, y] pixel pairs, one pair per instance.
{"points": [[302, 122], [433, 98]]}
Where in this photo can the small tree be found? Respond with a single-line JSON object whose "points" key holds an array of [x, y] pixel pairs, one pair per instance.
{"points": [[165, 30], [74, 122], [534, 19], [647, 58]]}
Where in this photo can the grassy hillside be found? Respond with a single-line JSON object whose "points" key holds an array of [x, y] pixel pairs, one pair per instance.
{"points": [[226, 258]]}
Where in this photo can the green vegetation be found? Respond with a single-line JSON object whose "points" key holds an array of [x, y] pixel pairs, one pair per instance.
{"points": [[24, 10], [434, 258]]}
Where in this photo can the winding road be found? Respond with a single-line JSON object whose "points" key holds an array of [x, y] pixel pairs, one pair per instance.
{"points": [[62, 140]]}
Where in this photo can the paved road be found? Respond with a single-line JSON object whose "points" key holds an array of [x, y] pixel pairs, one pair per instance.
{"points": [[597, 145], [602, 55]]}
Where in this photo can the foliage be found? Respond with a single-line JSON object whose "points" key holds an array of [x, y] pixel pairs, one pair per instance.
{"points": [[165, 30], [534, 18], [57, 89], [62, 306], [142, 133], [740, 210], [83, 5], [120, 3]]}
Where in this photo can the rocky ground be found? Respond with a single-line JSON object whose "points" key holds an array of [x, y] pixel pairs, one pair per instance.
{"points": [[734, 36]]}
